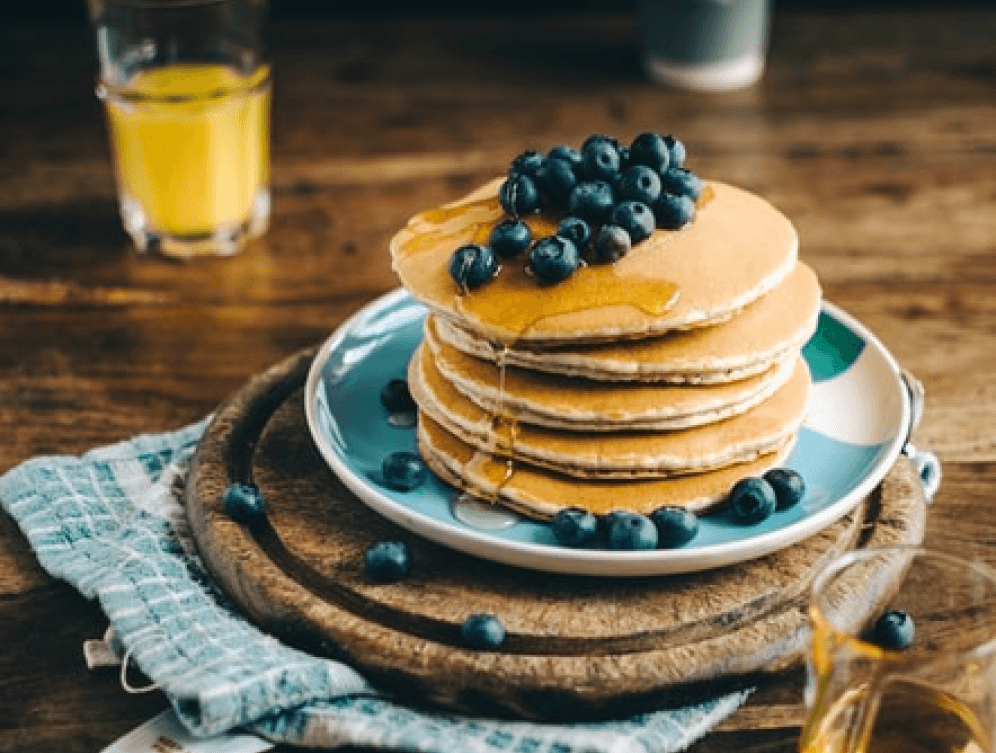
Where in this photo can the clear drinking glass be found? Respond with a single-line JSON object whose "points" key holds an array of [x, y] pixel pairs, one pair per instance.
{"points": [[186, 89], [935, 696]]}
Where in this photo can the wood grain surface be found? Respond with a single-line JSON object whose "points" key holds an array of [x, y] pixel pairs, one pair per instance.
{"points": [[875, 131]]}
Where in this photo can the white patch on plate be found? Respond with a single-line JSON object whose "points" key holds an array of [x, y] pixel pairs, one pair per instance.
{"points": [[482, 515], [835, 404]]}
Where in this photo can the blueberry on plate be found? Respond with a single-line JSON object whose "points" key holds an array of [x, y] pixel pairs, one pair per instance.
{"points": [[404, 471], [472, 265], [639, 183], [553, 259], [893, 631], [789, 486], [635, 218], [672, 211], [575, 527], [651, 150], [396, 397], [509, 238], [555, 179], [527, 163], [592, 201], [609, 245], [243, 501], [676, 151], [388, 561], [630, 531], [568, 154], [600, 158], [575, 230], [676, 526], [752, 500], [683, 182], [518, 195], [482, 632]]}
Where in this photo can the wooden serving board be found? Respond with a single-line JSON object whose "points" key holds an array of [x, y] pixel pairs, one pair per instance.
{"points": [[576, 647]]}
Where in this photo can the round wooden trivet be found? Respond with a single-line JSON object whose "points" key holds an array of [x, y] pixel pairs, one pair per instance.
{"points": [[577, 647]]}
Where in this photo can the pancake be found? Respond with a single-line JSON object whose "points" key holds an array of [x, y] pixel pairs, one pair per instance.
{"points": [[738, 248], [539, 493], [628, 454], [765, 332], [559, 402]]}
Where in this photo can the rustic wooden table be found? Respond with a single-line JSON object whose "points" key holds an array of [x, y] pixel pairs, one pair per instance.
{"points": [[874, 131]]}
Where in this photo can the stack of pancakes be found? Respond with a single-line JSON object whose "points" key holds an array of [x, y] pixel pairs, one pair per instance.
{"points": [[660, 379]]}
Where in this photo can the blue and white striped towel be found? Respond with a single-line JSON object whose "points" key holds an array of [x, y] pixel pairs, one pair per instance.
{"points": [[112, 524]]}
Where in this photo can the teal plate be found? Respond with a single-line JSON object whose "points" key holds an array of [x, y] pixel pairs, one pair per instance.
{"points": [[859, 418]]}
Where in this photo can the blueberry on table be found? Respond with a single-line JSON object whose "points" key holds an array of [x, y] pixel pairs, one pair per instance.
{"points": [[752, 500], [575, 527], [527, 163], [893, 631], [630, 531], [396, 397], [510, 238], [610, 244], [243, 501], [683, 182], [672, 211], [575, 230], [519, 195], [592, 201], [404, 471], [482, 632], [388, 561], [789, 487], [553, 259], [650, 150], [472, 265], [639, 183], [676, 526], [600, 158], [635, 218], [676, 151]]}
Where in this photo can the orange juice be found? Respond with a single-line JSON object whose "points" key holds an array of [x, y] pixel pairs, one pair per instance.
{"points": [[191, 148]]}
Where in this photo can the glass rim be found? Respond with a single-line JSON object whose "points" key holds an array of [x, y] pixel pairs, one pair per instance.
{"points": [[855, 556]]}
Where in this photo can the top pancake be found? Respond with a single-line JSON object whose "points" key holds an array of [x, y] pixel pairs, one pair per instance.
{"points": [[737, 249]]}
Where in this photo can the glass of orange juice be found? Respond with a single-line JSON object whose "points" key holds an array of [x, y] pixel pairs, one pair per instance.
{"points": [[186, 89], [903, 655]]}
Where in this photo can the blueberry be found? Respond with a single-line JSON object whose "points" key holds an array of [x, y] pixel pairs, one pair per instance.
{"points": [[569, 154], [600, 159], [482, 631], [683, 182], [555, 180], [243, 502], [630, 530], [510, 238], [752, 500], [575, 230], [553, 259], [396, 398], [789, 486], [639, 183], [609, 245], [388, 561], [527, 163], [575, 527], [676, 526], [672, 211], [473, 265], [519, 195], [676, 151], [635, 218], [592, 201], [894, 630], [404, 471], [650, 150]]}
